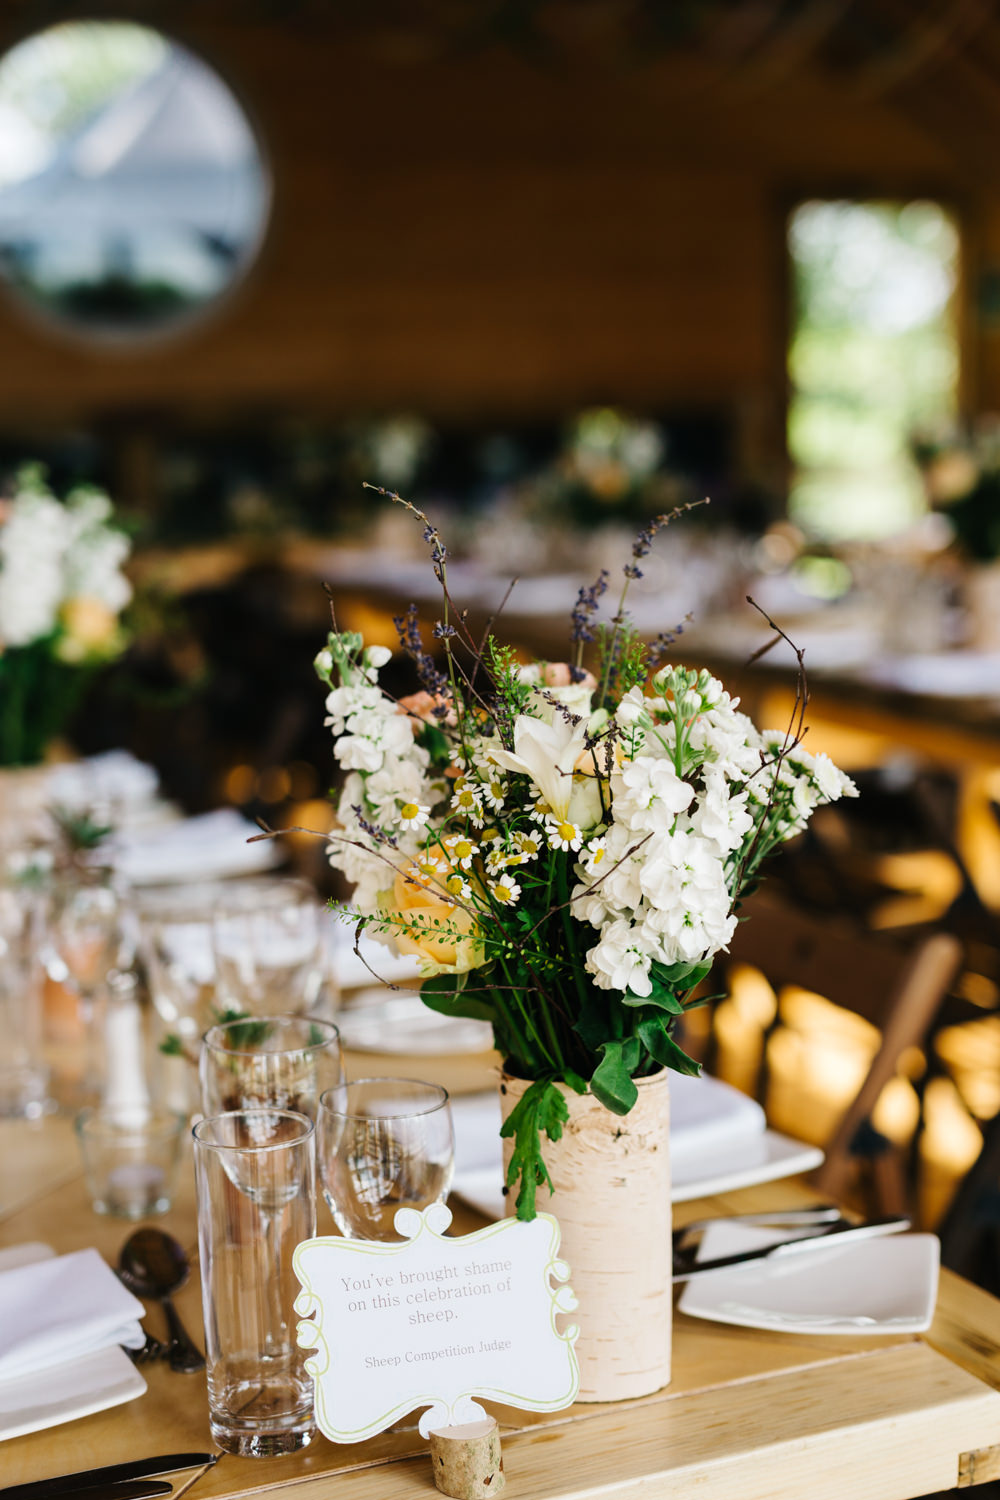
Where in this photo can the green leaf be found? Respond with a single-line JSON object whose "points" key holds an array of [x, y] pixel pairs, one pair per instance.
{"points": [[444, 993], [171, 1046], [540, 1108], [660, 996], [680, 975], [611, 1082], [663, 1049], [435, 743]]}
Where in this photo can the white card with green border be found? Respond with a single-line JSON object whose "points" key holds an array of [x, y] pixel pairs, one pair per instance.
{"points": [[435, 1322]]}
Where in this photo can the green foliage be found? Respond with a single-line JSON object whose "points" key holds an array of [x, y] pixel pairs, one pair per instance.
{"points": [[540, 1108], [611, 1081]]}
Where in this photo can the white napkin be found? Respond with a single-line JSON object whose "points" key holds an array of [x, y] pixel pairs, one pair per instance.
{"points": [[206, 847], [57, 1309], [115, 777]]}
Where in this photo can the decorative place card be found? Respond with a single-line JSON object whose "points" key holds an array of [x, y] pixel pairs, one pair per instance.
{"points": [[432, 1321]]}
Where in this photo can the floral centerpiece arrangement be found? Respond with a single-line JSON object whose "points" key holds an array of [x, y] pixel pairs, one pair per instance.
{"points": [[563, 845], [62, 591]]}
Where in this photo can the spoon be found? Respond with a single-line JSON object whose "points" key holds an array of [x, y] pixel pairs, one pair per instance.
{"points": [[152, 1264]]}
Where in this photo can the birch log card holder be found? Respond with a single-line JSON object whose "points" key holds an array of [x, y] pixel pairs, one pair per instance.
{"points": [[435, 1322]]}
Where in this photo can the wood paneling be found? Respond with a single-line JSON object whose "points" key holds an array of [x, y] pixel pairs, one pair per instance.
{"points": [[481, 236]]}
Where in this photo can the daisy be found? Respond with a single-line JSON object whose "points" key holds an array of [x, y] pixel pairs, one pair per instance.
{"points": [[461, 850], [506, 890], [413, 815], [562, 834]]}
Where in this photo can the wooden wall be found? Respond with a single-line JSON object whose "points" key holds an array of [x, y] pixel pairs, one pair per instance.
{"points": [[490, 237]]}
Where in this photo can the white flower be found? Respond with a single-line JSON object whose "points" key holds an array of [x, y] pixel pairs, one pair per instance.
{"points": [[461, 850], [563, 834], [621, 959], [548, 754], [595, 860], [647, 794], [683, 881], [413, 815], [377, 656], [505, 890], [467, 800]]}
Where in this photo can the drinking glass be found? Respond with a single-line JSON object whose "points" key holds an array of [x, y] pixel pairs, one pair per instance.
{"points": [[23, 1074], [130, 1165], [255, 1176], [82, 947], [281, 1062], [383, 1144], [269, 952]]}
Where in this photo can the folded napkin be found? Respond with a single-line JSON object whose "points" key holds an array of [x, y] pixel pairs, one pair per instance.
{"points": [[57, 1309], [206, 847]]}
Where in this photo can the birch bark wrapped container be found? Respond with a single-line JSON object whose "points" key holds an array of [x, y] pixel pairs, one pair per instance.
{"points": [[611, 1175]]}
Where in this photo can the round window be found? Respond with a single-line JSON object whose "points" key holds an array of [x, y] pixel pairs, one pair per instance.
{"points": [[132, 190]]}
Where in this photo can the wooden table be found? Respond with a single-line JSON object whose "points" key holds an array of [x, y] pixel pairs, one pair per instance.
{"points": [[749, 1414]]}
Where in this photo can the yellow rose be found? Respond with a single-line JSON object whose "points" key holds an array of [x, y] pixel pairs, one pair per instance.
{"points": [[413, 906], [90, 629]]}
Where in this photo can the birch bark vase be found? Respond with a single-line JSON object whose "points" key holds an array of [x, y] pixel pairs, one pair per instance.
{"points": [[611, 1175]]}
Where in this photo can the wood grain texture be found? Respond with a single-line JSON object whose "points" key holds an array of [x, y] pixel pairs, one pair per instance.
{"points": [[748, 1414]]}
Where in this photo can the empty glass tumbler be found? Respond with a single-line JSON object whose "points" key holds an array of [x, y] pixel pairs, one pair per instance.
{"points": [[255, 1177], [281, 1062], [383, 1144]]}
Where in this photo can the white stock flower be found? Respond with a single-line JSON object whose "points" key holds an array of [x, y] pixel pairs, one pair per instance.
{"points": [[621, 959], [683, 881], [647, 794]]}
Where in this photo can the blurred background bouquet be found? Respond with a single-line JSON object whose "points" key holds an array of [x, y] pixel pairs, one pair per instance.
{"points": [[62, 592]]}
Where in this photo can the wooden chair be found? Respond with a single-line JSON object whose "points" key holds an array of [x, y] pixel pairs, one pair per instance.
{"points": [[898, 989]]}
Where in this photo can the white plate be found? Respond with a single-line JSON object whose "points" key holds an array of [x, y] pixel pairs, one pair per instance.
{"points": [[29, 1403], [883, 1285], [719, 1143], [403, 1024], [91, 1383], [764, 1158]]}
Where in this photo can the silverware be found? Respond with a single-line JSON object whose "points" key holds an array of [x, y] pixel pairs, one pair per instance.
{"points": [[131, 1489], [685, 1267], [787, 1218], [152, 1264], [114, 1477]]}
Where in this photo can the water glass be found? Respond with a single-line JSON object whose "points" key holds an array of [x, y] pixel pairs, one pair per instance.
{"points": [[268, 945], [130, 1166], [83, 946], [281, 1062], [23, 1074], [255, 1176], [383, 1144]]}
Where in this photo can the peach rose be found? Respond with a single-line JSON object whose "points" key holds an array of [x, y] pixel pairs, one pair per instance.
{"points": [[414, 907], [91, 629]]}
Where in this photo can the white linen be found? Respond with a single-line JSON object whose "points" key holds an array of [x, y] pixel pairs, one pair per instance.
{"points": [[207, 847], [60, 1308]]}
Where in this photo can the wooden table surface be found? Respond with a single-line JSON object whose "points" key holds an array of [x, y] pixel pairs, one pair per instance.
{"points": [[748, 1414]]}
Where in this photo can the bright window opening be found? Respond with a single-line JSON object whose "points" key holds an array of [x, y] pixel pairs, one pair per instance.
{"points": [[873, 358]]}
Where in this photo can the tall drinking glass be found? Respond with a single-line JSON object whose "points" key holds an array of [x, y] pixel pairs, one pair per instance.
{"points": [[383, 1144], [83, 946], [23, 1074], [281, 1062], [255, 1176], [268, 945]]}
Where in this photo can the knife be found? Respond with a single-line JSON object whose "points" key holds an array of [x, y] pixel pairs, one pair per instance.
{"points": [[784, 1248], [113, 1474], [127, 1489]]}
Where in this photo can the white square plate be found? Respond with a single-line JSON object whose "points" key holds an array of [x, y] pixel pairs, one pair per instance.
{"points": [[883, 1285]]}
